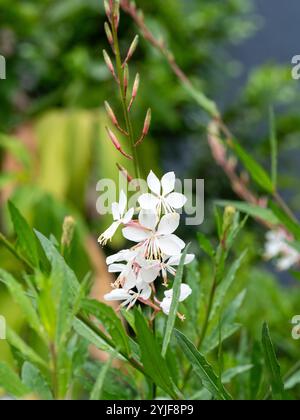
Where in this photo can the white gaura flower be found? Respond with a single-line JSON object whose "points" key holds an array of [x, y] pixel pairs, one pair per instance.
{"points": [[156, 241], [170, 264], [185, 292], [277, 247], [162, 194], [130, 297], [120, 216]]}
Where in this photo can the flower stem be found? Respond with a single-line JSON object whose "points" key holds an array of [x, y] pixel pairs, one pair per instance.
{"points": [[120, 74]]}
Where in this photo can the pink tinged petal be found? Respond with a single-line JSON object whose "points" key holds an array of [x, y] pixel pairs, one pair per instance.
{"points": [[128, 216], [176, 200], [122, 203], [144, 289], [166, 306], [185, 292], [135, 234], [154, 183], [148, 219], [168, 183], [169, 246], [115, 211], [130, 281], [168, 224], [117, 294], [116, 268], [148, 202], [120, 256]]}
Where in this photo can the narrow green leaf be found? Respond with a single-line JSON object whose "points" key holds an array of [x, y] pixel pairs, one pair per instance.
{"points": [[257, 371], [274, 149], [33, 379], [27, 352], [292, 381], [291, 225], [96, 393], [11, 383], [27, 241], [23, 301], [154, 364], [232, 373], [205, 244], [272, 365], [174, 305], [257, 172], [252, 210], [107, 316], [203, 101], [226, 285], [203, 369]]}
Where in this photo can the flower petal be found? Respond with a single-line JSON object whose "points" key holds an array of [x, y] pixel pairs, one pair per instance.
{"points": [[150, 274], [166, 305], [169, 246], [174, 261], [115, 211], [168, 183], [117, 294], [116, 268], [135, 234], [144, 289], [176, 200], [168, 224], [148, 219], [148, 201], [128, 216], [130, 281], [185, 292], [122, 203], [154, 183]]}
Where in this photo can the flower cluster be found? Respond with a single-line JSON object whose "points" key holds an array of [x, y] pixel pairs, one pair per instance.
{"points": [[277, 247], [157, 251]]}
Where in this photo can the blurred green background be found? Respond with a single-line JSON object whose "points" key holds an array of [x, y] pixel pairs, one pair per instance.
{"points": [[53, 100]]}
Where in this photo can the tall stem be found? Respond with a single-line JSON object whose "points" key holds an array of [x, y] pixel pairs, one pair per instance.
{"points": [[129, 126]]}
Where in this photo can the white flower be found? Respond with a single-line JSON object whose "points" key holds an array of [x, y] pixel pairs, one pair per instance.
{"points": [[185, 292], [156, 241], [163, 195], [129, 297], [169, 264], [120, 216], [277, 247]]}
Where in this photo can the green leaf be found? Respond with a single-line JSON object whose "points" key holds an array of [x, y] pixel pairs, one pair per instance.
{"points": [[59, 266], [205, 244], [291, 225], [202, 368], [154, 364], [257, 371], [257, 172], [226, 285], [174, 305], [272, 365], [88, 334], [27, 242], [19, 296], [232, 373], [274, 149], [11, 383], [252, 210], [107, 316], [33, 379], [203, 101], [96, 393], [27, 352], [292, 381]]}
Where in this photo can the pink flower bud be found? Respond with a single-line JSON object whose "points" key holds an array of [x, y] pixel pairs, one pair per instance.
{"points": [[108, 33], [132, 48], [136, 86], [108, 9], [147, 123], [109, 63], [126, 78], [111, 114], [117, 144]]}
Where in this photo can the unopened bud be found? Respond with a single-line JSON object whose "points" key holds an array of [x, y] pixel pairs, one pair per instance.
{"points": [[108, 33], [116, 13], [132, 48], [108, 9], [229, 215], [134, 90], [126, 78], [117, 144], [68, 231], [125, 173], [111, 114], [147, 122], [109, 63]]}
